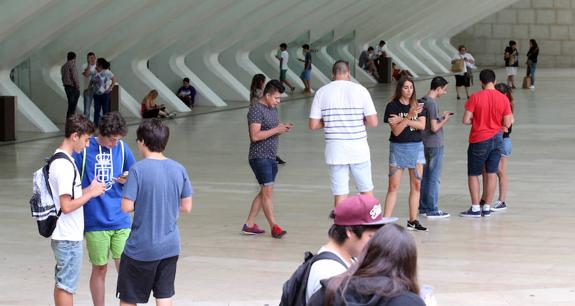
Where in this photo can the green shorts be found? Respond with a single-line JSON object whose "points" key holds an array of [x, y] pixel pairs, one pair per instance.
{"points": [[101, 243], [283, 74]]}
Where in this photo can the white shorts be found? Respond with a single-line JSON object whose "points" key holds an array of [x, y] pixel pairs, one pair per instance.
{"points": [[511, 70], [339, 175]]}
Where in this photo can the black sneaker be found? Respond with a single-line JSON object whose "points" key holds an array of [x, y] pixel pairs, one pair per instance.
{"points": [[280, 161], [416, 226]]}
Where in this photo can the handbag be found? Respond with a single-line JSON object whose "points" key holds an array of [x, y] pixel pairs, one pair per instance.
{"points": [[526, 82], [457, 65]]}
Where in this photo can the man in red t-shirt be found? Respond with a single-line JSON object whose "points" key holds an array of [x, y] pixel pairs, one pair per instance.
{"points": [[487, 111]]}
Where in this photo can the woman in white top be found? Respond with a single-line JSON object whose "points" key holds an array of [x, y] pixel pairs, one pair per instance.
{"points": [[463, 78]]}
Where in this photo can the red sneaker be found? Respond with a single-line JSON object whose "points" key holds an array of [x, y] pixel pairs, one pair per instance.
{"points": [[254, 230], [277, 231]]}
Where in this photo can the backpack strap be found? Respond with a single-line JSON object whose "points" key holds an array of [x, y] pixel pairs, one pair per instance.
{"points": [[54, 157], [328, 255], [123, 155], [83, 164]]}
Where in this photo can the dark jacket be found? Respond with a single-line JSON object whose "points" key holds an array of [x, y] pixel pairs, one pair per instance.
{"points": [[352, 298]]}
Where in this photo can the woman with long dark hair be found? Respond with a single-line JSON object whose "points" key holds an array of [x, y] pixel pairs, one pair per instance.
{"points": [[103, 82], [257, 88], [384, 274], [532, 55], [406, 118], [500, 205]]}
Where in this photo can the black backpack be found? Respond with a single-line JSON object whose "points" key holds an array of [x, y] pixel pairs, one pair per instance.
{"points": [[42, 202], [294, 289]]}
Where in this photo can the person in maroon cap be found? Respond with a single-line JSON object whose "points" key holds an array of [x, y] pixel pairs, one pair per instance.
{"points": [[356, 219]]}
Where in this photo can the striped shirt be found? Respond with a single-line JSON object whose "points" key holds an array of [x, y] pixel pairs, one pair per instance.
{"points": [[70, 74], [343, 105]]}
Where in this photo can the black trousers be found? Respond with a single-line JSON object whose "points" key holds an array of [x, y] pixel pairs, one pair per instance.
{"points": [[72, 94]]}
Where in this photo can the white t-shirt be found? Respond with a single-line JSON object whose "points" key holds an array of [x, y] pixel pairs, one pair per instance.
{"points": [[70, 226], [285, 58], [323, 269], [342, 105], [86, 80], [468, 64]]}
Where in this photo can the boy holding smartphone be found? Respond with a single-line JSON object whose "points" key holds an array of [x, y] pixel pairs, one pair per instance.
{"points": [[106, 226], [433, 148]]}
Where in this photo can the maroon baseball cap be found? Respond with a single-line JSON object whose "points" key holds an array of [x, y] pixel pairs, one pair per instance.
{"points": [[360, 210]]}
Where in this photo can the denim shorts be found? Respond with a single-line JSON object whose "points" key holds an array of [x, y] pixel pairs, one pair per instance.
{"points": [[486, 154], [68, 256], [265, 170], [406, 154], [361, 173], [306, 75], [507, 146]]}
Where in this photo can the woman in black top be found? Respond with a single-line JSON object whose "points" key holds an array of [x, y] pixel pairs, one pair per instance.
{"points": [[384, 275], [511, 57], [532, 55], [500, 205], [406, 119]]}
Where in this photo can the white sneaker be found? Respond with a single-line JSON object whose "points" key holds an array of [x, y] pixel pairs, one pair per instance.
{"points": [[532, 87]]}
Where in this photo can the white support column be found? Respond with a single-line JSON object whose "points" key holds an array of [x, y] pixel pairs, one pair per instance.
{"points": [[42, 25]]}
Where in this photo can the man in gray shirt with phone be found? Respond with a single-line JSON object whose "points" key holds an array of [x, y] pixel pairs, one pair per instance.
{"points": [[433, 148]]}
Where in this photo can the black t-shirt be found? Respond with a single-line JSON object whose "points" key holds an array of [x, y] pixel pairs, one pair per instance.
{"points": [[409, 134], [532, 54], [515, 53]]}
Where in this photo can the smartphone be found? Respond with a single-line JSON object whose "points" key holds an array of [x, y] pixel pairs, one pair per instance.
{"points": [[420, 104], [125, 174], [452, 113]]}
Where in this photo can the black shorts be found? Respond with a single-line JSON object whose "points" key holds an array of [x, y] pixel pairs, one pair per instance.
{"points": [[136, 279], [462, 80]]}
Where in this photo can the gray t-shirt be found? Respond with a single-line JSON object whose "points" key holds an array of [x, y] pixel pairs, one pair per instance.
{"points": [[268, 118], [156, 187], [430, 139]]}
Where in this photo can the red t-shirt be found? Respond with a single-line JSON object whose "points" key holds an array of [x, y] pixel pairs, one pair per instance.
{"points": [[488, 107]]}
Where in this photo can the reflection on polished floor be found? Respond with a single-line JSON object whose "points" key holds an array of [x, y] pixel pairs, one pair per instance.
{"points": [[521, 257]]}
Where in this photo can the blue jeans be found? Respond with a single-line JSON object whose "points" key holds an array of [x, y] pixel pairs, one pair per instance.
{"points": [[265, 170], [88, 98], [531, 72], [101, 103], [68, 256], [430, 181], [486, 154]]}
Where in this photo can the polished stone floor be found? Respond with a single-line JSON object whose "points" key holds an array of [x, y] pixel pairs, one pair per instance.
{"points": [[524, 256]]}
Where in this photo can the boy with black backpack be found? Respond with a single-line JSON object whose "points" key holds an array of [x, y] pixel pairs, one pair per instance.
{"points": [[356, 219], [66, 188]]}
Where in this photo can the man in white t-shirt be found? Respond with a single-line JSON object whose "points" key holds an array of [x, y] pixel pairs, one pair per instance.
{"points": [[356, 219], [66, 186], [344, 109], [88, 71], [283, 57]]}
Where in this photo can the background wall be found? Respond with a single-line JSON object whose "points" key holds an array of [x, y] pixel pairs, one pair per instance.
{"points": [[550, 22]]}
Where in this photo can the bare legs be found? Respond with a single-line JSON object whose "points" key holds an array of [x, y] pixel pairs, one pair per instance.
{"points": [[414, 190], [262, 200], [63, 297], [503, 181], [98, 281], [338, 198]]}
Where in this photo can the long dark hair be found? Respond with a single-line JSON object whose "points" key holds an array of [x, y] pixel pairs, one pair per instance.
{"points": [[258, 82], [387, 267], [534, 43], [506, 90], [397, 95]]}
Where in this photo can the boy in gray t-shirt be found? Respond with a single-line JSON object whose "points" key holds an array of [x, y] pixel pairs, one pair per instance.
{"points": [[157, 190], [433, 148]]}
